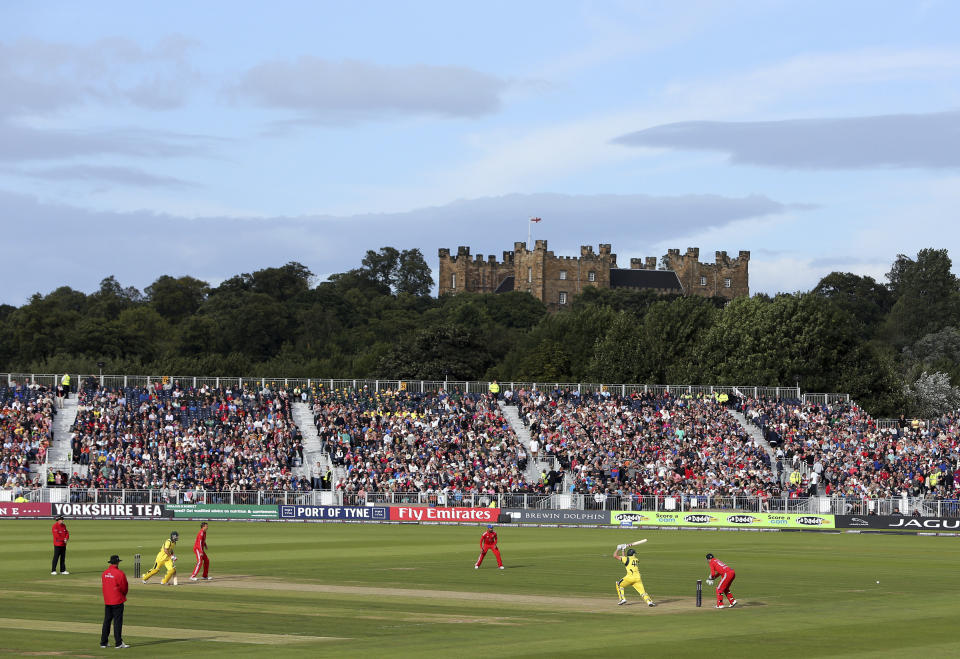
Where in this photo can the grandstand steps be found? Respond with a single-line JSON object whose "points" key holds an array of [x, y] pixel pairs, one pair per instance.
{"points": [[312, 447], [756, 435], [534, 467], [60, 454]]}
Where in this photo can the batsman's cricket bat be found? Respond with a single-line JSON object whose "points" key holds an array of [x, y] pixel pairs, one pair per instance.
{"points": [[638, 542]]}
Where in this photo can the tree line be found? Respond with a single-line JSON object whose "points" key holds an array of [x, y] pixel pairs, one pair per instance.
{"points": [[894, 346]]}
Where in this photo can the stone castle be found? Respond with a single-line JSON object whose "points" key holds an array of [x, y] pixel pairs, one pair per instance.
{"points": [[555, 280]]}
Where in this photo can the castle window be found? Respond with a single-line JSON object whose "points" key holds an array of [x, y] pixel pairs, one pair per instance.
{"points": [[563, 297], [703, 281], [591, 276], [529, 274], [726, 282], [453, 280], [563, 274]]}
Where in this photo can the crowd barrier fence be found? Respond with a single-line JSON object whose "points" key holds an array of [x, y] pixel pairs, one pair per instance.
{"points": [[689, 503], [416, 386]]}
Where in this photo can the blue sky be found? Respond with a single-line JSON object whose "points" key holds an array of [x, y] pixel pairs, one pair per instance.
{"points": [[222, 137]]}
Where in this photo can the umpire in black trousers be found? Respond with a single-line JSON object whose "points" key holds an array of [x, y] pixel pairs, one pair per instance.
{"points": [[115, 589]]}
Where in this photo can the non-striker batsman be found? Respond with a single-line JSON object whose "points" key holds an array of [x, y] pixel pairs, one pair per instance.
{"points": [[166, 558]]}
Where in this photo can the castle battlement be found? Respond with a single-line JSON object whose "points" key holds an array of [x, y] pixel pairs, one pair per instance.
{"points": [[557, 279], [725, 277]]}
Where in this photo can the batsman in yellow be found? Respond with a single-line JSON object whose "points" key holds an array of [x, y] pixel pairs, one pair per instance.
{"points": [[166, 558], [632, 578]]}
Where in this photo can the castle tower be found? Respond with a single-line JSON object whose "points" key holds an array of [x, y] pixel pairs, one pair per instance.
{"points": [[556, 280], [725, 277], [461, 274]]}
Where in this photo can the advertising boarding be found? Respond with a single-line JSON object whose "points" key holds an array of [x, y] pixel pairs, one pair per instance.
{"points": [[111, 510], [371, 513], [420, 514], [24, 510], [898, 523], [722, 519], [221, 511], [524, 516]]}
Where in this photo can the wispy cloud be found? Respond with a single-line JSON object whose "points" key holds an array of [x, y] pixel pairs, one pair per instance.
{"points": [[38, 77], [321, 90], [905, 140], [95, 173], [24, 143], [810, 74]]}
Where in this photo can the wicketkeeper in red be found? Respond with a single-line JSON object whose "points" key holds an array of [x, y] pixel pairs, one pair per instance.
{"points": [[200, 551], [726, 574], [488, 541]]}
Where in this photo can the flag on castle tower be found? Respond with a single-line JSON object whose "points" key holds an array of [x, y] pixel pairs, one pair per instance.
{"points": [[534, 219]]}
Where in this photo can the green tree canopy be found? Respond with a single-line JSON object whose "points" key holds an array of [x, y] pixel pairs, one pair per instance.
{"points": [[401, 271], [927, 296], [177, 298]]}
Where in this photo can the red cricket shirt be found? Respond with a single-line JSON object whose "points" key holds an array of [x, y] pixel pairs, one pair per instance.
{"points": [[60, 534], [200, 544], [718, 567], [114, 585]]}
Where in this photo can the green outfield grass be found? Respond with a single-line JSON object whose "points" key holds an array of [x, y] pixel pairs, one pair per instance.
{"points": [[387, 590]]}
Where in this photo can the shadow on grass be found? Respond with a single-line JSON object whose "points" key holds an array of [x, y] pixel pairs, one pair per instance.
{"points": [[657, 601], [166, 640]]}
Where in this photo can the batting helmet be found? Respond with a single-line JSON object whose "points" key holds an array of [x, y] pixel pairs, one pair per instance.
{"points": [[709, 556], [630, 552], [174, 536]]}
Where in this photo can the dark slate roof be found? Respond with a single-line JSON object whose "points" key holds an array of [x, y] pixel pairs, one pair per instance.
{"points": [[505, 286], [659, 279]]}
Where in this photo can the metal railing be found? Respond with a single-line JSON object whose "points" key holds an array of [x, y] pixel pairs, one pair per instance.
{"points": [[416, 386], [691, 503], [826, 399], [886, 424], [165, 496]]}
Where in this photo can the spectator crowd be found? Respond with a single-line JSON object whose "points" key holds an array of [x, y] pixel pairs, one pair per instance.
{"points": [[26, 431], [646, 444], [849, 455], [175, 438], [170, 437], [402, 442]]}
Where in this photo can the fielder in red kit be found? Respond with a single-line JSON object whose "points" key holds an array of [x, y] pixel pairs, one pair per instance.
{"points": [[488, 542], [200, 551], [726, 574]]}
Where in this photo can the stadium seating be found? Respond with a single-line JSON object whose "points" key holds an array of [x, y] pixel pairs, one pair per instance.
{"points": [[400, 442], [26, 430], [647, 444], [166, 436], [184, 438], [854, 456]]}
